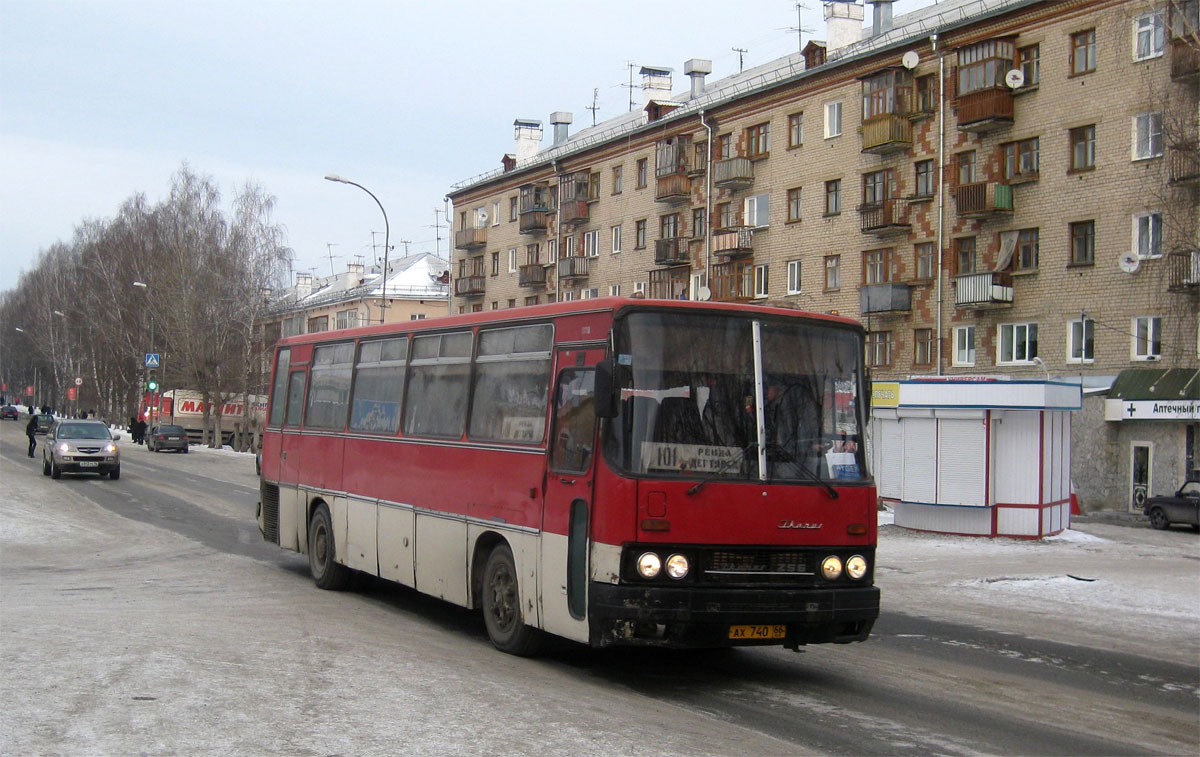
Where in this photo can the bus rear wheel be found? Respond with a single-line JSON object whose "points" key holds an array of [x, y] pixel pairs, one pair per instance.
{"points": [[325, 572], [502, 606]]}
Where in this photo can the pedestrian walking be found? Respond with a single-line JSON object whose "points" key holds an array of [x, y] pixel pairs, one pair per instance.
{"points": [[31, 432]]}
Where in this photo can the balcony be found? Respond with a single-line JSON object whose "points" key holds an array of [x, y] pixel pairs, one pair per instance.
{"points": [[673, 251], [732, 281], [982, 198], [1183, 271], [733, 243], [886, 134], [733, 173], [574, 267], [668, 284], [574, 212], [470, 286], [469, 239], [883, 218], [981, 290], [985, 110], [531, 275], [673, 188], [533, 222], [885, 298], [1183, 164], [1185, 58]]}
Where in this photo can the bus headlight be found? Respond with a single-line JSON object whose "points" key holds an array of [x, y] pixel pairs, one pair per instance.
{"points": [[831, 567], [649, 565], [677, 566], [856, 567]]}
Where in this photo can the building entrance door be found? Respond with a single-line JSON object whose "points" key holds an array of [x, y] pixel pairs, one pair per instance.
{"points": [[1139, 476]]}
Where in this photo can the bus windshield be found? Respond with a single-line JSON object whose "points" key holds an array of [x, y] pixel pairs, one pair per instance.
{"points": [[689, 403]]}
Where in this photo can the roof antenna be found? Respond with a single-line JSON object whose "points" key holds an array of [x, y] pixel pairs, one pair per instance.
{"points": [[800, 28], [741, 51], [631, 66], [595, 103], [329, 248]]}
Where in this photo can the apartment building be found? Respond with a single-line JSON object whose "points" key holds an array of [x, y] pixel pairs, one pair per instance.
{"points": [[993, 187]]}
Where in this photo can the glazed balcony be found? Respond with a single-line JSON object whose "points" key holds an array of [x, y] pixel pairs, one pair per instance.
{"points": [[1185, 58], [981, 290], [733, 173], [732, 281], [885, 298], [469, 239], [574, 267], [470, 286], [667, 284], [574, 212], [985, 110], [887, 134], [733, 243], [882, 218], [531, 275], [673, 188], [1183, 164], [983, 198], [1183, 271], [673, 251]]}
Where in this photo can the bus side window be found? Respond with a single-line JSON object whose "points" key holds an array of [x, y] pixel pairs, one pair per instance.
{"points": [[295, 398], [574, 421]]}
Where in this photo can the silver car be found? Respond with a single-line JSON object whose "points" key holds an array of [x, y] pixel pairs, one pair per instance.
{"points": [[73, 446]]}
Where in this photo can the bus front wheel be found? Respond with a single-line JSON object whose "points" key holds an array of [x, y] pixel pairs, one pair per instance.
{"points": [[325, 572], [502, 606]]}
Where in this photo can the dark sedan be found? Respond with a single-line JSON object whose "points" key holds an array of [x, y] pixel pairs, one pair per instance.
{"points": [[1183, 507], [164, 437], [8, 412]]}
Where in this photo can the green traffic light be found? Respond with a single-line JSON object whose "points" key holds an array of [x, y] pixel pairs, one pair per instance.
{"points": [[152, 386]]}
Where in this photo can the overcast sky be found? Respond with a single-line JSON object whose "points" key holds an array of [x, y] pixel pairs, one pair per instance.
{"points": [[103, 100]]}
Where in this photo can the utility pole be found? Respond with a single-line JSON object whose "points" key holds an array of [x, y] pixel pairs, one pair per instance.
{"points": [[741, 51]]}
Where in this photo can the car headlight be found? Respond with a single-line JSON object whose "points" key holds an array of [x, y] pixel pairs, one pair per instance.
{"points": [[110, 448], [649, 565], [64, 448], [677, 566], [856, 567], [831, 567]]}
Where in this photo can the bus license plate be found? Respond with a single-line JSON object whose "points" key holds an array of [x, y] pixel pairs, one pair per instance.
{"points": [[758, 632], [88, 465]]}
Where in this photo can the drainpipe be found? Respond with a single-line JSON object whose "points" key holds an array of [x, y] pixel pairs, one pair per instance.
{"points": [[941, 190], [557, 231], [707, 204], [449, 255]]}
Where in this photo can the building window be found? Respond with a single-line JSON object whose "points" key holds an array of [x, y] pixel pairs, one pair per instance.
{"points": [[877, 266], [795, 130], [512, 303], [927, 94], [833, 272], [512, 259], [568, 248], [758, 141], [964, 345], [1148, 35], [1147, 234], [757, 212], [879, 349], [1026, 258], [616, 239], [1018, 343], [614, 290], [495, 304], [531, 300], [760, 280], [496, 263], [532, 256], [699, 281], [639, 234], [641, 172], [1147, 135], [701, 159], [964, 255], [966, 167], [594, 186], [1083, 52], [668, 226], [833, 119], [1147, 337], [551, 251], [320, 323], [724, 146], [793, 199], [793, 277], [926, 260], [347, 319], [512, 209], [1082, 347], [1083, 148], [591, 243], [589, 294], [1021, 160], [725, 217], [923, 347], [496, 213], [833, 197], [1083, 243], [874, 188], [925, 178], [1029, 61], [698, 223], [982, 66], [617, 177], [639, 287]]}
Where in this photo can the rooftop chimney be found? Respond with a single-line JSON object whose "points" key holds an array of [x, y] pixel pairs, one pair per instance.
{"points": [[355, 271], [697, 69], [303, 285], [881, 18], [560, 120], [528, 134], [656, 84], [843, 22]]}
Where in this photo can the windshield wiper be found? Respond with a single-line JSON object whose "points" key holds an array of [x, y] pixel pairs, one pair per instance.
{"points": [[800, 466], [720, 472]]}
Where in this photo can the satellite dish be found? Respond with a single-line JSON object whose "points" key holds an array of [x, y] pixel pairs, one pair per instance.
{"points": [[703, 294], [481, 214], [911, 59], [1015, 78], [1130, 263]]}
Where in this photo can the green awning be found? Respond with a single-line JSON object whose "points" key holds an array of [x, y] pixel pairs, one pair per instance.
{"points": [[1164, 384]]}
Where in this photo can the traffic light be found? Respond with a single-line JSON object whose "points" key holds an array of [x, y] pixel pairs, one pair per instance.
{"points": [[152, 381]]}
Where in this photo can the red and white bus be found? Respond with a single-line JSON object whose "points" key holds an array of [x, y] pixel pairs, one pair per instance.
{"points": [[613, 471]]}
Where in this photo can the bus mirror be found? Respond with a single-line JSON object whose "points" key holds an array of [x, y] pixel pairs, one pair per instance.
{"points": [[606, 398]]}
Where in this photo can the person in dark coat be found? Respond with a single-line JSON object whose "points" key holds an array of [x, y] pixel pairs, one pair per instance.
{"points": [[31, 432], [139, 432]]}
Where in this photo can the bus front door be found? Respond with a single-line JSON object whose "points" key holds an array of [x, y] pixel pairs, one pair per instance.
{"points": [[567, 505], [292, 528]]}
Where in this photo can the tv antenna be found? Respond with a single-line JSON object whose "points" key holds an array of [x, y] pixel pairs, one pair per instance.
{"points": [[595, 106], [800, 28], [631, 65], [329, 251], [741, 51]]}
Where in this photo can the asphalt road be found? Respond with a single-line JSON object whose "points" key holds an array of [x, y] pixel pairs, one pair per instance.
{"points": [[146, 616]]}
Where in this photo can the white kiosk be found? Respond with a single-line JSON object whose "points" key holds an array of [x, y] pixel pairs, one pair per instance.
{"points": [[975, 456]]}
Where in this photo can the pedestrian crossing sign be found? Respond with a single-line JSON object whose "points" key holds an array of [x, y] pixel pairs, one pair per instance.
{"points": [[152, 360]]}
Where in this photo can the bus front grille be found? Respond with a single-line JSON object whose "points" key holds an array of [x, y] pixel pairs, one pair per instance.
{"points": [[756, 566]]}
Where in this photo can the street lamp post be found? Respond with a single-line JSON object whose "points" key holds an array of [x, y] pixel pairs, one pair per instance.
{"points": [[386, 235]]}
